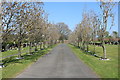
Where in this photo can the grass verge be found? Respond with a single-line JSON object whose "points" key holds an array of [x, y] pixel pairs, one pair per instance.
{"points": [[15, 67], [105, 69]]}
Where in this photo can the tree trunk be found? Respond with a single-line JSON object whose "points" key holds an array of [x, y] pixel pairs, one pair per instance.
{"points": [[48, 44], [94, 47], [40, 45], [104, 50], [44, 45], [19, 42], [19, 49], [36, 47], [30, 48], [83, 46], [87, 47], [78, 43], [51, 43]]}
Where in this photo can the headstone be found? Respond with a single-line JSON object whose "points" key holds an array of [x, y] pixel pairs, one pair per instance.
{"points": [[104, 59], [19, 58], [29, 54], [1, 65]]}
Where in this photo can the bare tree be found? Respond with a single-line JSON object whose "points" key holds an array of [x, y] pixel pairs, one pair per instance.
{"points": [[106, 8], [94, 25], [63, 30], [83, 32], [16, 19]]}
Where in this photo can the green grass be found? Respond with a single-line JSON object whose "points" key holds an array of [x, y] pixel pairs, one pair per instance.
{"points": [[105, 69], [15, 67], [11, 52]]}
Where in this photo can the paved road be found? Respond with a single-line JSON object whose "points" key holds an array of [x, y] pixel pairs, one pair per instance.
{"points": [[60, 63]]}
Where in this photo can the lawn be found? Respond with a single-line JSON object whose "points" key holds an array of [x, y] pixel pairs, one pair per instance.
{"points": [[12, 52], [105, 69], [15, 67]]}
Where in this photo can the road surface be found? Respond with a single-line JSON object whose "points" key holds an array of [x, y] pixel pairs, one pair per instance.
{"points": [[60, 63]]}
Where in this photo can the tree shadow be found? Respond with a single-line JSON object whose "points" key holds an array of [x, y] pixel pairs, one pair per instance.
{"points": [[92, 53], [35, 55], [10, 60]]}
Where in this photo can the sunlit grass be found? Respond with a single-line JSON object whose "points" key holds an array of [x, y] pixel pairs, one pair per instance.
{"points": [[12, 52], [105, 69], [15, 67]]}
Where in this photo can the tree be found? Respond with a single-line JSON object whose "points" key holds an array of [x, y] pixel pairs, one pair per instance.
{"points": [[84, 31], [16, 20], [34, 25], [53, 34], [9, 11], [63, 30], [115, 34], [94, 26], [72, 38], [106, 34], [106, 8]]}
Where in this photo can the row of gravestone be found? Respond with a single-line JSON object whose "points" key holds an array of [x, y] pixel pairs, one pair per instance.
{"points": [[5, 47], [110, 43]]}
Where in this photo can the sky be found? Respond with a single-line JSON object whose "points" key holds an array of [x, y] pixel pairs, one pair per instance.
{"points": [[71, 13]]}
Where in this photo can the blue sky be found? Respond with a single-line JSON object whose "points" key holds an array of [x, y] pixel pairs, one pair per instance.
{"points": [[71, 12]]}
